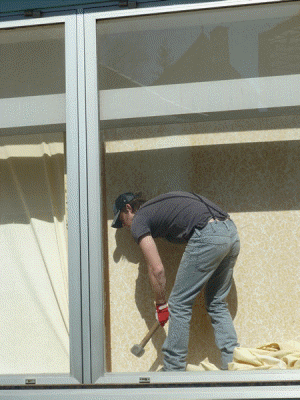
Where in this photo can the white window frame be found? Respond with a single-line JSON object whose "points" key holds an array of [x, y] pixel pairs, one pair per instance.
{"points": [[99, 376], [75, 218]]}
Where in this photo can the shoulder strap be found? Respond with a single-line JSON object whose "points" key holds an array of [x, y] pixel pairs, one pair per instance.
{"points": [[209, 207]]}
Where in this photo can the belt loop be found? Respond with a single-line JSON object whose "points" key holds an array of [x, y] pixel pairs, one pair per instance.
{"points": [[213, 226]]}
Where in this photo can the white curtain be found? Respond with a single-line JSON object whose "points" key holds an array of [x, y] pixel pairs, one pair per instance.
{"points": [[34, 325]]}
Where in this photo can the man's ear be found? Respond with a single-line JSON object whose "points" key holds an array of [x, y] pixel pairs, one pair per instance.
{"points": [[128, 208]]}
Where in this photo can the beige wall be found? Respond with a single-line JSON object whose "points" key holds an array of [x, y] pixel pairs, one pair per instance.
{"points": [[249, 167]]}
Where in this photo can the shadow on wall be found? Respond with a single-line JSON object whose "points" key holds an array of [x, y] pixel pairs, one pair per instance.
{"points": [[32, 187], [126, 247]]}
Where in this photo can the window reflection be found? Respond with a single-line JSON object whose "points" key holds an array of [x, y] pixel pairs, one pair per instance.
{"points": [[198, 51]]}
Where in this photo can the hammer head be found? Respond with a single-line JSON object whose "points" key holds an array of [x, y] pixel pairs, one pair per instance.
{"points": [[137, 350]]}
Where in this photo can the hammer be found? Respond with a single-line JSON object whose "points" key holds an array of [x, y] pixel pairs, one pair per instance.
{"points": [[138, 349]]}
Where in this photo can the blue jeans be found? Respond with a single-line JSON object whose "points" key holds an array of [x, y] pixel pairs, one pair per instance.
{"points": [[208, 261]]}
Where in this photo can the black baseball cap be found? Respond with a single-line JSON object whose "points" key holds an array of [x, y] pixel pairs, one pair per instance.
{"points": [[120, 203]]}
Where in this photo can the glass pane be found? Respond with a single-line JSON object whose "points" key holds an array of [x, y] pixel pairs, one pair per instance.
{"points": [[33, 221], [190, 101], [198, 47], [32, 61]]}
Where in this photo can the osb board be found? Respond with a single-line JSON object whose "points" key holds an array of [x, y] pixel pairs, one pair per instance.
{"points": [[250, 168]]}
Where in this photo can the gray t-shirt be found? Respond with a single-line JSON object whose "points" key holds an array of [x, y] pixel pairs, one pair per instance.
{"points": [[174, 216]]}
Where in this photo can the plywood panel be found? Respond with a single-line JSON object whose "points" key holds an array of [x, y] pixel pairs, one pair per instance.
{"points": [[257, 182]]}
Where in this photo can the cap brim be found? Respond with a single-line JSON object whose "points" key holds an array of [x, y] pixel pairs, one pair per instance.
{"points": [[116, 221]]}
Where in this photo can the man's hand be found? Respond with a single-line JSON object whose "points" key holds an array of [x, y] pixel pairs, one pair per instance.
{"points": [[162, 313]]}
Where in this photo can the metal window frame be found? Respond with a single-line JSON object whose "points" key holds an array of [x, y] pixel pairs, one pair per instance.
{"points": [[99, 376], [165, 392], [85, 232], [75, 215]]}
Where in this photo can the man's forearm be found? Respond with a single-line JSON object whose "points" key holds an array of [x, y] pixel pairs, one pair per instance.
{"points": [[158, 282], [155, 268]]}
